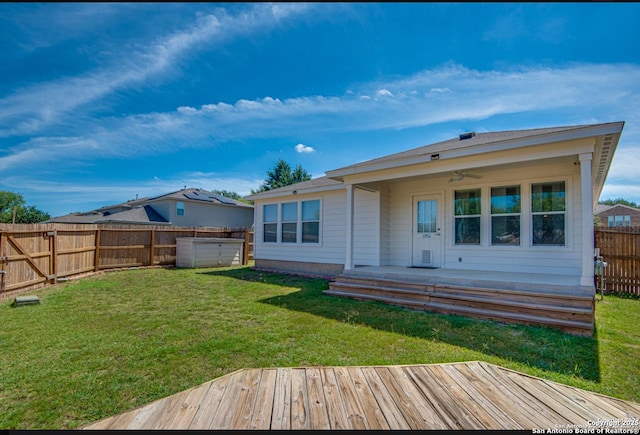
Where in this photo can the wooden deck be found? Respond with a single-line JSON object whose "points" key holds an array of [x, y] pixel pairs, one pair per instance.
{"points": [[473, 395]]}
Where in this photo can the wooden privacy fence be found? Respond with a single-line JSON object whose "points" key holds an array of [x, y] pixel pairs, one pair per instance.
{"points": [[620, 249], [33, 255]]}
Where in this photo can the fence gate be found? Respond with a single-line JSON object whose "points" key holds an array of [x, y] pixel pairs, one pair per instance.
{"points": [[26, 258], [620, 249]]}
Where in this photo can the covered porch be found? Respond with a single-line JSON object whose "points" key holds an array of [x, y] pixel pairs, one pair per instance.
{"points": [[527, 298]]}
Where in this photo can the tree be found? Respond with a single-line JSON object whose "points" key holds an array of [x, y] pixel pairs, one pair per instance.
{"points": [[8, 201], [24, 214], [281, 175], [227, 194], [619, 201], [31, 215]]}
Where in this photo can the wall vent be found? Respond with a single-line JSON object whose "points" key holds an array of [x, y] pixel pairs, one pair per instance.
{"points": [[426, 256], [469, 135]]}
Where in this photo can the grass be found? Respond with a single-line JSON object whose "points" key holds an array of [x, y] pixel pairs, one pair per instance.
{"points": [[103, 345]]}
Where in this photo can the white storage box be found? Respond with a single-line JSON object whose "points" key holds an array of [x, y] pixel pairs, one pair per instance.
{"points": [[208, 252]]}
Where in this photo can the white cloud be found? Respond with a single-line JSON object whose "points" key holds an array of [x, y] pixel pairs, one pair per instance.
{"points": [[30, 109], [571, 91], [384, 93], [186, 109], [304, 149]]}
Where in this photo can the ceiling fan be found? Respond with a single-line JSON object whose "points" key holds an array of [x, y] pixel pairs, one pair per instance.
{"points": [[459, 175]]}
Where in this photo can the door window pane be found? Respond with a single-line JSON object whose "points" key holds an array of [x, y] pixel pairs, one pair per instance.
{"points": [[427, 216]]}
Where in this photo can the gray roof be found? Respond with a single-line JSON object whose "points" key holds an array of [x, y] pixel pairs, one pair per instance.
{"points": [[522, 137], [601, 208], [138, 211], [314, 183], [197, 194], [190, 193], [136, 215], [476, 140]]}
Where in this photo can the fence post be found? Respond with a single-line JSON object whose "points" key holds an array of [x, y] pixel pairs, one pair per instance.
{"points": [[3, 262], [53, 259], [96, 259], [152, 247], [245, 248]]}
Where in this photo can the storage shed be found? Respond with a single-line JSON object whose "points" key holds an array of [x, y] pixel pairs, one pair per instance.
{"points": [[208, 252]]}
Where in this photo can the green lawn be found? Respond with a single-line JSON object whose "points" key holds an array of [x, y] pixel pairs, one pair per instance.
{"points": [[103, 345]]}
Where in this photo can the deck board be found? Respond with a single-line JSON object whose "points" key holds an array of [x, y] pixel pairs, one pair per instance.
{"points": [[466, 396]]}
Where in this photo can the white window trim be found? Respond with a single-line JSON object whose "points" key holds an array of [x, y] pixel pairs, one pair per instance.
{"points": [[492, 215], [178, 208], [526, 221], [483, 208], [568, 214], [299, 222]]}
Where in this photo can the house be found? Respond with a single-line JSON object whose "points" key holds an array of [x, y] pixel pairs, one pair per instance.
{"points": [[190, 207], [495, 225], [618, 215]]}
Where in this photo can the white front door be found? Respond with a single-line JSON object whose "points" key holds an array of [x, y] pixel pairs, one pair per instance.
{"points": [[427, 238]]}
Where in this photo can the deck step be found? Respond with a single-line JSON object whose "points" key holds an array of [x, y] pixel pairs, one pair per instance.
{"points": [[573, 326], [573, 314], [477, 297], [456, 288]]}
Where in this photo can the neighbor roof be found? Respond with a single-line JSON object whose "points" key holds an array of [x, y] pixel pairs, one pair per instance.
{"points": [[601, 208], [137, 215], [138, 211], [194, 194]]}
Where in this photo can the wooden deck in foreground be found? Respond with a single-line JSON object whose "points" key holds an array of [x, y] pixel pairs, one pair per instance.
{"points": [[473, 395]]}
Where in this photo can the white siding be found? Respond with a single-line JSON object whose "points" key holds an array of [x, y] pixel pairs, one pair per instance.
{"points": [[366, 245], [331, 248], [524, 258], [383, 223]]}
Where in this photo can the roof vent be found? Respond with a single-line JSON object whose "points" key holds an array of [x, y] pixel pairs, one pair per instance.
{"points": [[469, 135]]}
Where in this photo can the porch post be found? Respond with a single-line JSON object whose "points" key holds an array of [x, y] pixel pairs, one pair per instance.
{"points": [[586, 190], [348, 260]]}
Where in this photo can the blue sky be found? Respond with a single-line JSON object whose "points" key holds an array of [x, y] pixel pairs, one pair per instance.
{"points": [[103, 102]]}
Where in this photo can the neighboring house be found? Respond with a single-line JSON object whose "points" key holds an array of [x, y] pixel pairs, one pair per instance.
{"points": [[515, 208], [618, 215], [188, 207]]}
